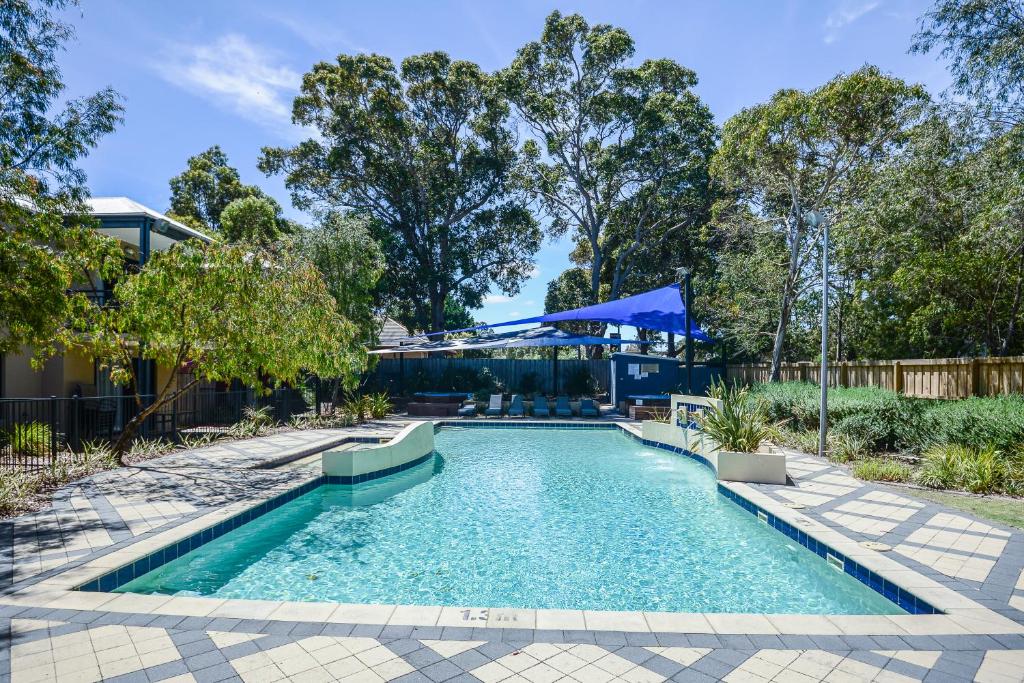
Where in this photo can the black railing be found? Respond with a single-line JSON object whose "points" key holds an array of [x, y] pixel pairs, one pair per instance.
{"points": [[35, 432]]}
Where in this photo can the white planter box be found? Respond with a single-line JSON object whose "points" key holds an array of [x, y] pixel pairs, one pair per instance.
{"points": [[752, 468]]}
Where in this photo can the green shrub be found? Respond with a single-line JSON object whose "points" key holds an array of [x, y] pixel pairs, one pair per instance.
{"points": [[739, 425], [882, 469], [884, 419], [254, 422], [16, 487], [978, 470], [978, 422], [803, 441], [359, 407], [380, 405], [29, 439], [845, 448]]}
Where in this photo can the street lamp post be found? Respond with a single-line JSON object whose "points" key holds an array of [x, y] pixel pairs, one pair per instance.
{"points": [[814, 219], [687, 300]]}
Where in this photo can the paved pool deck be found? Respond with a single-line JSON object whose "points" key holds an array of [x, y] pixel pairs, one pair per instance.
{"points": [[48, 632]]}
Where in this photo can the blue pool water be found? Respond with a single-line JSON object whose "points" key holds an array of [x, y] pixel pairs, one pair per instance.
{"points": [[544, 518]]}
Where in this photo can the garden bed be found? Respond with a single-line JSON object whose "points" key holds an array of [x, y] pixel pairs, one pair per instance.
{"points": [[975, 444]]}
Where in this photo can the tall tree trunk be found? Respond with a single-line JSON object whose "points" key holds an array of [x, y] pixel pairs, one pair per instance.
{"points": [[670, 351], [127, 435], [1011, 328], [641, 334], [780, 336], [789, 291], [437, 311]]}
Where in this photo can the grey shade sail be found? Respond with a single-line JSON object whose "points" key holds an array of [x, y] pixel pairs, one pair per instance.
{"points": [[537, 336]]}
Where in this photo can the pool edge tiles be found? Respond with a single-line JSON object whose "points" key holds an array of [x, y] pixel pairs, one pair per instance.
{"points": [[113, 579]]}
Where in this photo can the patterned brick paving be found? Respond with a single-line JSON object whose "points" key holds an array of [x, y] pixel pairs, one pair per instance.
{"points": [[114, 509]]}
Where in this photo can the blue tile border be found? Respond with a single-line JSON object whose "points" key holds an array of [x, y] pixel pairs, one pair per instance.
{"points": [[338, 480], [122, 575]]}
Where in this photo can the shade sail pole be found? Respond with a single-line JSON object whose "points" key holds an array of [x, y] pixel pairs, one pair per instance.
{"points": [[554, 367]]}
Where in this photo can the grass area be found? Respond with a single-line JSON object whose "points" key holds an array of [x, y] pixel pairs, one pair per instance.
{"points": [[1008, 511]]}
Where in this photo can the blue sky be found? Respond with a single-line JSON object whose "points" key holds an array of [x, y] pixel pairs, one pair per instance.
{"points": [[223, 72]]}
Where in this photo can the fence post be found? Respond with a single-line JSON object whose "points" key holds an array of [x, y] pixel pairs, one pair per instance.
{"points": [[174, 421], [897, 377], [76, 441], [974, 384], [53, 429]]}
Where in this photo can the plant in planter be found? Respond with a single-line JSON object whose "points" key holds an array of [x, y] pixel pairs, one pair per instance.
{"points": [[739, 425]]}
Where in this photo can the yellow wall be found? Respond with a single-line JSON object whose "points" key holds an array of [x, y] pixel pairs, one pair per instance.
{"points": [[79, 369], [58, 377]]}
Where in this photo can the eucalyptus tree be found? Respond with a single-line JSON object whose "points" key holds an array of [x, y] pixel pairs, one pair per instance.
{"points": [[424, 151], [209, 195], [618, 154], [351, 263], [984, 43], [938, 245], [801, 151], [46, 240]]}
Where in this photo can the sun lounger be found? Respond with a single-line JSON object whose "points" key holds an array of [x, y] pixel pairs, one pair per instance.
{"points": [[516, 408], [494, 406], [540, 407], [468, 409], [562, 407], [588, 408]]}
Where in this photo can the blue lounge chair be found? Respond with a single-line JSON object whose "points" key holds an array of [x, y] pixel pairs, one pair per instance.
{"points": [[588, 408], [468, 410], [562, 407], [494, 406], [516, 408], [540, 407]]}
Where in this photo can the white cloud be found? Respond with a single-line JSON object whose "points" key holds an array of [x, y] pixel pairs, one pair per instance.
{"points": [[497, 299], [535, 272], [237, 75], [847, 13]]}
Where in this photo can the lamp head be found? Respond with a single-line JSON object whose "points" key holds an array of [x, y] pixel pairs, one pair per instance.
{"points": [[682, 272]]}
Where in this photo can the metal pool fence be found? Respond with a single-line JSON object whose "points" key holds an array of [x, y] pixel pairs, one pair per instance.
{"points": [[35, 432]]}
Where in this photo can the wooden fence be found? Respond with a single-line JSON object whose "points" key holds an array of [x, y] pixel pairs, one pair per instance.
{"points": [[924, 378]]}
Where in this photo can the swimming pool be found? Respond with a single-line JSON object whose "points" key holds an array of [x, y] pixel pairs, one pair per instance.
{"points": [[535, 518]]}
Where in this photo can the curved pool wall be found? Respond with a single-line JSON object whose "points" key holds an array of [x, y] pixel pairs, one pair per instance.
{"points": [[365, 462], [904, 599]]}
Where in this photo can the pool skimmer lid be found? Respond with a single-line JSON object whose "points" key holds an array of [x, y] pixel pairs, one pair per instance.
{"points": [[794, 506], [875, 545]]}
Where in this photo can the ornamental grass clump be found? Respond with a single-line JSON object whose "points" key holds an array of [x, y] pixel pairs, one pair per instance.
{"points": [[882, 469], [977, 470], [380, 405], [739, 424]]}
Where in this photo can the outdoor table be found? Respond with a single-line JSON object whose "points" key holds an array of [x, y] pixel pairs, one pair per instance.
{"points": [[433, 409], [648, 399], [441, 396]]}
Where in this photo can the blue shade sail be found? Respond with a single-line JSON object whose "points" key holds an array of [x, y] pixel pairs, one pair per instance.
{"points": [[660, 309]]}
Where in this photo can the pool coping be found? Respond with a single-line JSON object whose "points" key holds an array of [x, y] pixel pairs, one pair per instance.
{"points": [[960, 614]]}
